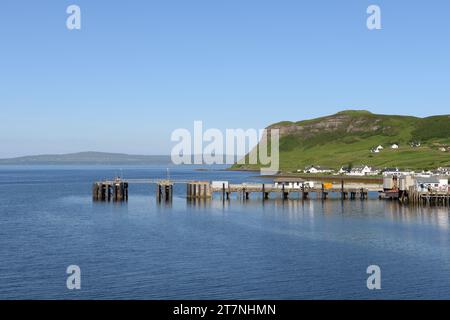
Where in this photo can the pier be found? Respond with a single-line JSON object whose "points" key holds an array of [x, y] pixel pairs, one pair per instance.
{"points": [[245, 190], [427, 198], [117, 190], [164, 190]]}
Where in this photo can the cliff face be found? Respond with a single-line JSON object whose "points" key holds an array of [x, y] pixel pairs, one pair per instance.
{"points": [[343, 122], [348, 137]]}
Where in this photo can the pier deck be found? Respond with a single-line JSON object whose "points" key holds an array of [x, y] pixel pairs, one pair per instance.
{"points": [[438, 198], [117, 190]]}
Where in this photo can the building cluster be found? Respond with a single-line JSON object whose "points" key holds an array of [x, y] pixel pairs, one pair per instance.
{"points": [[413, 144], [365, 170], [417, 182]]}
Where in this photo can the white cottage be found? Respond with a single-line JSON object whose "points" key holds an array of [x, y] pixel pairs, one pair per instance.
{"points": [[377, 149], [444, 171], [360, 171], [344, 170], [317, 169]]}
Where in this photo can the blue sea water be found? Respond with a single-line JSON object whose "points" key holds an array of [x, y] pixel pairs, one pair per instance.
{"points": [[210, 250]]}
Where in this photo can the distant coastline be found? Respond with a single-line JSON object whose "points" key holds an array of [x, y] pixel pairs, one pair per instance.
{"points": [[88, 158]]}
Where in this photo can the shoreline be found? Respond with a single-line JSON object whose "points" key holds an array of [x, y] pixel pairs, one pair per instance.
{"points": [[324, 178]]}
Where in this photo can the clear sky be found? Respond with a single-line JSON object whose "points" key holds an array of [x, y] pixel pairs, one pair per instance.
{"points": [[137, 70]]}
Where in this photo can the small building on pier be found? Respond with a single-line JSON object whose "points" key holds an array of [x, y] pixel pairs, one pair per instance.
{"points": [[220, 184], [289, 183], [424, 184]]}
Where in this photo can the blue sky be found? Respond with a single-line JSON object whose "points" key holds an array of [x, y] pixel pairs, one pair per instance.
{"points": [[137, 70]]}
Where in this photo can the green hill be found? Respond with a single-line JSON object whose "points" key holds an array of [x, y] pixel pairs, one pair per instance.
{"points": [[348, 137]]}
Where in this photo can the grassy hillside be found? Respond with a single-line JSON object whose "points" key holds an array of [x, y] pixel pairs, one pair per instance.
{"points": [[347, 138]]}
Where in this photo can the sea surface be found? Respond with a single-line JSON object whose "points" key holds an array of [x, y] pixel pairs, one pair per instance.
{"points": [[276, 249]]}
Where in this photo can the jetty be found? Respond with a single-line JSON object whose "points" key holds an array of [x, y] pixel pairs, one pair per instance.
{"points": [[117, 189], [432, 198], [403, 189], [407, 189]]}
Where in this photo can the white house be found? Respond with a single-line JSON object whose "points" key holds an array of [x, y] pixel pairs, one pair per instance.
{"points": [[344, 170], [373, 172], [396, 172], [317, 169], [377, 149], [442, 149], [444, 171], [360, 171], [425, 174], [391, 172], [395, 146]]}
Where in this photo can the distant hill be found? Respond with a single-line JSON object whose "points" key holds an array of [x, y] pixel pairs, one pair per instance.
{"points": [[346, 138], [88, 158]]}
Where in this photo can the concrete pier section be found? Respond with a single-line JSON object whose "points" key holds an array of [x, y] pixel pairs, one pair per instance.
{"points": [[116, 190]]}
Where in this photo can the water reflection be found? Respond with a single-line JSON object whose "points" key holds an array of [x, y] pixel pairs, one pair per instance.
{"points": [[438, 216], [295, 208]]}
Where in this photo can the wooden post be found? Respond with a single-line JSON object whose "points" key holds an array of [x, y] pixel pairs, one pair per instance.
{"points": [[159, 192], [94, 191], [223, 191]]}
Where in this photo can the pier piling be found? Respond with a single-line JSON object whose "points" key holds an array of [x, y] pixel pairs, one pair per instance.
{"points": [[116, 191]]}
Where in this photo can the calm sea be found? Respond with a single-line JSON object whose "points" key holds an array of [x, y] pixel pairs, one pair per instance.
{"points": [[213, 250]]}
